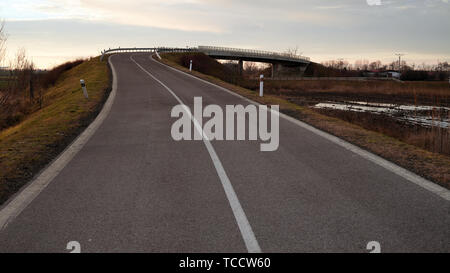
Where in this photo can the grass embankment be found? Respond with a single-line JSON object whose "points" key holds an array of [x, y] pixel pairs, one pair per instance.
{"points": [[433, 166], [206, 65], [28, 146]]}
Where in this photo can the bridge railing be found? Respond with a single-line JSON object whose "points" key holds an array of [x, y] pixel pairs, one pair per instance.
{"points": [[213, 50], [144, 49], [252, 52]]}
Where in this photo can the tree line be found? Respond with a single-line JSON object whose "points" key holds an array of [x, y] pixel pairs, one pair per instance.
{"points": [[409, 72]]}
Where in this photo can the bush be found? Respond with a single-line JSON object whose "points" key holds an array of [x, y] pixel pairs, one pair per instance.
{"points": [[414, 75], [14, 102], [206, 65], [50, 77]]}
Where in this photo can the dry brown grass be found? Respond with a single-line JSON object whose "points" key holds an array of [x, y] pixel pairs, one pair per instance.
{"points": [[433, 139], [310, 92], [204, 64], [429, 93]]}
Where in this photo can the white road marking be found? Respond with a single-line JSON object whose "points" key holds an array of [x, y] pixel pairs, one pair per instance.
{"points": [[244, 226], [400, 171], [17, 204]]}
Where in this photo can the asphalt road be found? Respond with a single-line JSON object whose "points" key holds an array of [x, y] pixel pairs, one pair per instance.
{"points": [[132, 188]]}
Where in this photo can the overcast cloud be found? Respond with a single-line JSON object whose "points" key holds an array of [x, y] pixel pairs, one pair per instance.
{"points": [[53, 31]]}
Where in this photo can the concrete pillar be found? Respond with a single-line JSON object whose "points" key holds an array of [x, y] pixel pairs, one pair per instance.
{"points": [[240, 67], [276, 67]]}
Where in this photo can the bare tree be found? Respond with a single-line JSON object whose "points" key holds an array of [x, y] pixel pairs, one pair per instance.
{"points": [[18, 87], [361, 64], [4, 96], [3, 38], [253, 69], [19, 80], [23, 70], [341, 64], [373, 66], [292, 52]]}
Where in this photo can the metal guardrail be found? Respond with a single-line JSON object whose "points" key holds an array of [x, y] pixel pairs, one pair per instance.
{"points": [[145, 49], [229, 51]]}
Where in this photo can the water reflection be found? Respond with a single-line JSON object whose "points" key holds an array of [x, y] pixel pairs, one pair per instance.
{"points": [[421, 115]]}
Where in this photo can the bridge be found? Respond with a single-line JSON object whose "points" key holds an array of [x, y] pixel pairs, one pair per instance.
{"points": [[283, 64]]}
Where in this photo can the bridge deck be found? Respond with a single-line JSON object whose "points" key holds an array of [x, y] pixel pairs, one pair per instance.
{"points": [[249, 54], [224, 53]]}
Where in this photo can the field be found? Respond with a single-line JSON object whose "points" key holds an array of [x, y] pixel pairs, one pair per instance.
{"points": [[427, 93], [29, 145], [414, 112], [407, 122], [3, 82]]}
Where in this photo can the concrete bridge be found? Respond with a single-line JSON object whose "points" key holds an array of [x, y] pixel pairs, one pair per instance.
{"points": [[283, 64]]}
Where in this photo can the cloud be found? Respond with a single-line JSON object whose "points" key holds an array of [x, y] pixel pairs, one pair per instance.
{"points": [[318, 27], [316, 18], [172, 14]]}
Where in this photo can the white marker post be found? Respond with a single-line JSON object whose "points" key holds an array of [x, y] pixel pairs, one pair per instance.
{"points": [[261, 85], [157, 54], [83, 86], [190, 65]]}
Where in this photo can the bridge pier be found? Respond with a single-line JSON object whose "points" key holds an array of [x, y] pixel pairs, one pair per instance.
{"points": [[240, 67]]}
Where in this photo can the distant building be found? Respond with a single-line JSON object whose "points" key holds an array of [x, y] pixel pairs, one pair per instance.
{"points": [[382, 74], [393, 74]]}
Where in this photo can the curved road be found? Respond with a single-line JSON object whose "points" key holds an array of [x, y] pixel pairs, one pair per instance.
{"points": [[133, 188]]}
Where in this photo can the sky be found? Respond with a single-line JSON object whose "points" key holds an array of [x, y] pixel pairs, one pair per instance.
{"points": [[53, 31]]}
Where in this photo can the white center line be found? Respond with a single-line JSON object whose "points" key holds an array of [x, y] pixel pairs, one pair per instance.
{"points": [[244, 226]]}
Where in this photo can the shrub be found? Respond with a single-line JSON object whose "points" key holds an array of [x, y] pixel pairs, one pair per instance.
{"points": [[50, 77]]}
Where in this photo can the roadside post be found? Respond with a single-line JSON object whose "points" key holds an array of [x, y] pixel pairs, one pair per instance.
{"points": [[83, 87], [190, 65], [261, 85], [157, 54]]}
